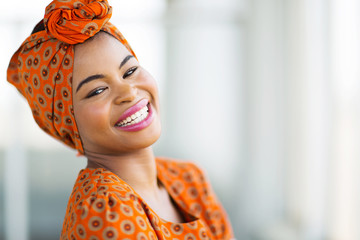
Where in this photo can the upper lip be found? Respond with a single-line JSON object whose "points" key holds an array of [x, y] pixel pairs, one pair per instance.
{"points": [[133, 109]]}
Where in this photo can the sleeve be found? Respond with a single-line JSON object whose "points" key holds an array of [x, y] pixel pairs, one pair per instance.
{"points": [[213, 212], [109, 216]]}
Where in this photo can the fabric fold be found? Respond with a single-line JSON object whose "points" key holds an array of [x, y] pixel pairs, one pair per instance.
{"points": [[74, 22]]}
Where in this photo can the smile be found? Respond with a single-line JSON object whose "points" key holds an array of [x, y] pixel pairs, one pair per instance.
{"points": [[136, 118]]}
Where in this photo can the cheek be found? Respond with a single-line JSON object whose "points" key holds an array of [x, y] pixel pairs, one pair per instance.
{"points": [[150, 84], [92, 117]]}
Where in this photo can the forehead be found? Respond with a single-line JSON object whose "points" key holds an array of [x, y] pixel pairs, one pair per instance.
{"points": [[98, 55], [99, 44]]}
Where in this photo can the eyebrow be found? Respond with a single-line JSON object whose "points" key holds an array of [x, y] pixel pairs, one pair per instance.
{"points": [[127, 58], [89, 79], [100, 76]]}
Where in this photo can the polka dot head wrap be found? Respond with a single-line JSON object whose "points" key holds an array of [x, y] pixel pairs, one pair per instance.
{"points": [[41, 69]]}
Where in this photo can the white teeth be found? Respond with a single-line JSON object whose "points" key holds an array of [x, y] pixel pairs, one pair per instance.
{"points": [[135, 118]]}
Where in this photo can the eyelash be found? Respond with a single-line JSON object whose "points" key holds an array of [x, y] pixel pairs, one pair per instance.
{"points": [[96, 92], [130, 72]]}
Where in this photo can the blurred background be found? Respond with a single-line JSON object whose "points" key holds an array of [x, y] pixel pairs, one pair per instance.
{"points": [[263, 94]]}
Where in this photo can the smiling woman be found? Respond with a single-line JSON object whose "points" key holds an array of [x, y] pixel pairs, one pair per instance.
{"points": [[86, 88], [117, 89]]}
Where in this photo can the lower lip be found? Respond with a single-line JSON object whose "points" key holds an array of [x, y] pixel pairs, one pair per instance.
{"points": [[140, 125]]}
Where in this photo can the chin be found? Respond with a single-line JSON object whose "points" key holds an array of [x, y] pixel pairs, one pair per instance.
{"points": [[142, 141], [148, 140], [109, 144]]}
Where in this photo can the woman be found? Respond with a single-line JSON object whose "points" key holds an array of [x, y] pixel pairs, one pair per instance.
{"points": [[86, 88]]}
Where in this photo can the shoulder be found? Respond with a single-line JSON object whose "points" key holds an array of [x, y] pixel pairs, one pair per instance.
{"points": [[185, 170], [101, 204], [176, 163], [190, 184], [98, 183], [100, 190]]}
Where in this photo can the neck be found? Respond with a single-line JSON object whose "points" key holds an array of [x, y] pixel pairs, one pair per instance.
{"points": [[138, 169]]}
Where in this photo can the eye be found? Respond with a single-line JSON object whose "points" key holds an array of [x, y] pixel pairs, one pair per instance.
{"points": [[130, 72], [96, 92]]}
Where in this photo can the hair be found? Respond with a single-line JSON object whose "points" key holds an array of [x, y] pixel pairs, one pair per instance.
{"points": [[39, 27]]}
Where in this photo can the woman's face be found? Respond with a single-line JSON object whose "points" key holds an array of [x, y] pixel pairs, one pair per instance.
{"points": [[115, 100]]}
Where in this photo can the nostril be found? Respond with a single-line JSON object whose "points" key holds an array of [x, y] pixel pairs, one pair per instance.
{"points": [[125, 93]]}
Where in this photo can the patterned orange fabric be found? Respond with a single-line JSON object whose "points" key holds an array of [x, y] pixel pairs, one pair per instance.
{"points": [[103, 206], [75, 21], [41, 69]]}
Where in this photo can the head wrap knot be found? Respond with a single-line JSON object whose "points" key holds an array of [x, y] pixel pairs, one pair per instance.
{"points": [[41, 69], [75, 21]]}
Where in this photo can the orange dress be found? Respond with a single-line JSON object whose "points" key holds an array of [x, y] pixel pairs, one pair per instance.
{"points": [[103, 206]]}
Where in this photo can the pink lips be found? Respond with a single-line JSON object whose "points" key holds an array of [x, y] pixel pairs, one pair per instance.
{"points": [[130, 111]]}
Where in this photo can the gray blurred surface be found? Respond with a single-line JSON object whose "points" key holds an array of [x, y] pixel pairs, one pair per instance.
{"points": [[51, 179], [263, 94]]}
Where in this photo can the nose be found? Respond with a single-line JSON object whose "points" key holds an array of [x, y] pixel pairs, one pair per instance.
{"points": [[125, 92]]}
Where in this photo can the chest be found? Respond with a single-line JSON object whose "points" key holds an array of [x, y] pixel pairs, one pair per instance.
{"points": [[166, 208]]}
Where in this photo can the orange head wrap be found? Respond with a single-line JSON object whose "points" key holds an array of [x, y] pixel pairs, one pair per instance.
{"points": [[41, 69]]}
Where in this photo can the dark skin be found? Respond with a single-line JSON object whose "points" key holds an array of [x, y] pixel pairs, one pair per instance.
{"points": [[107, 81]]}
